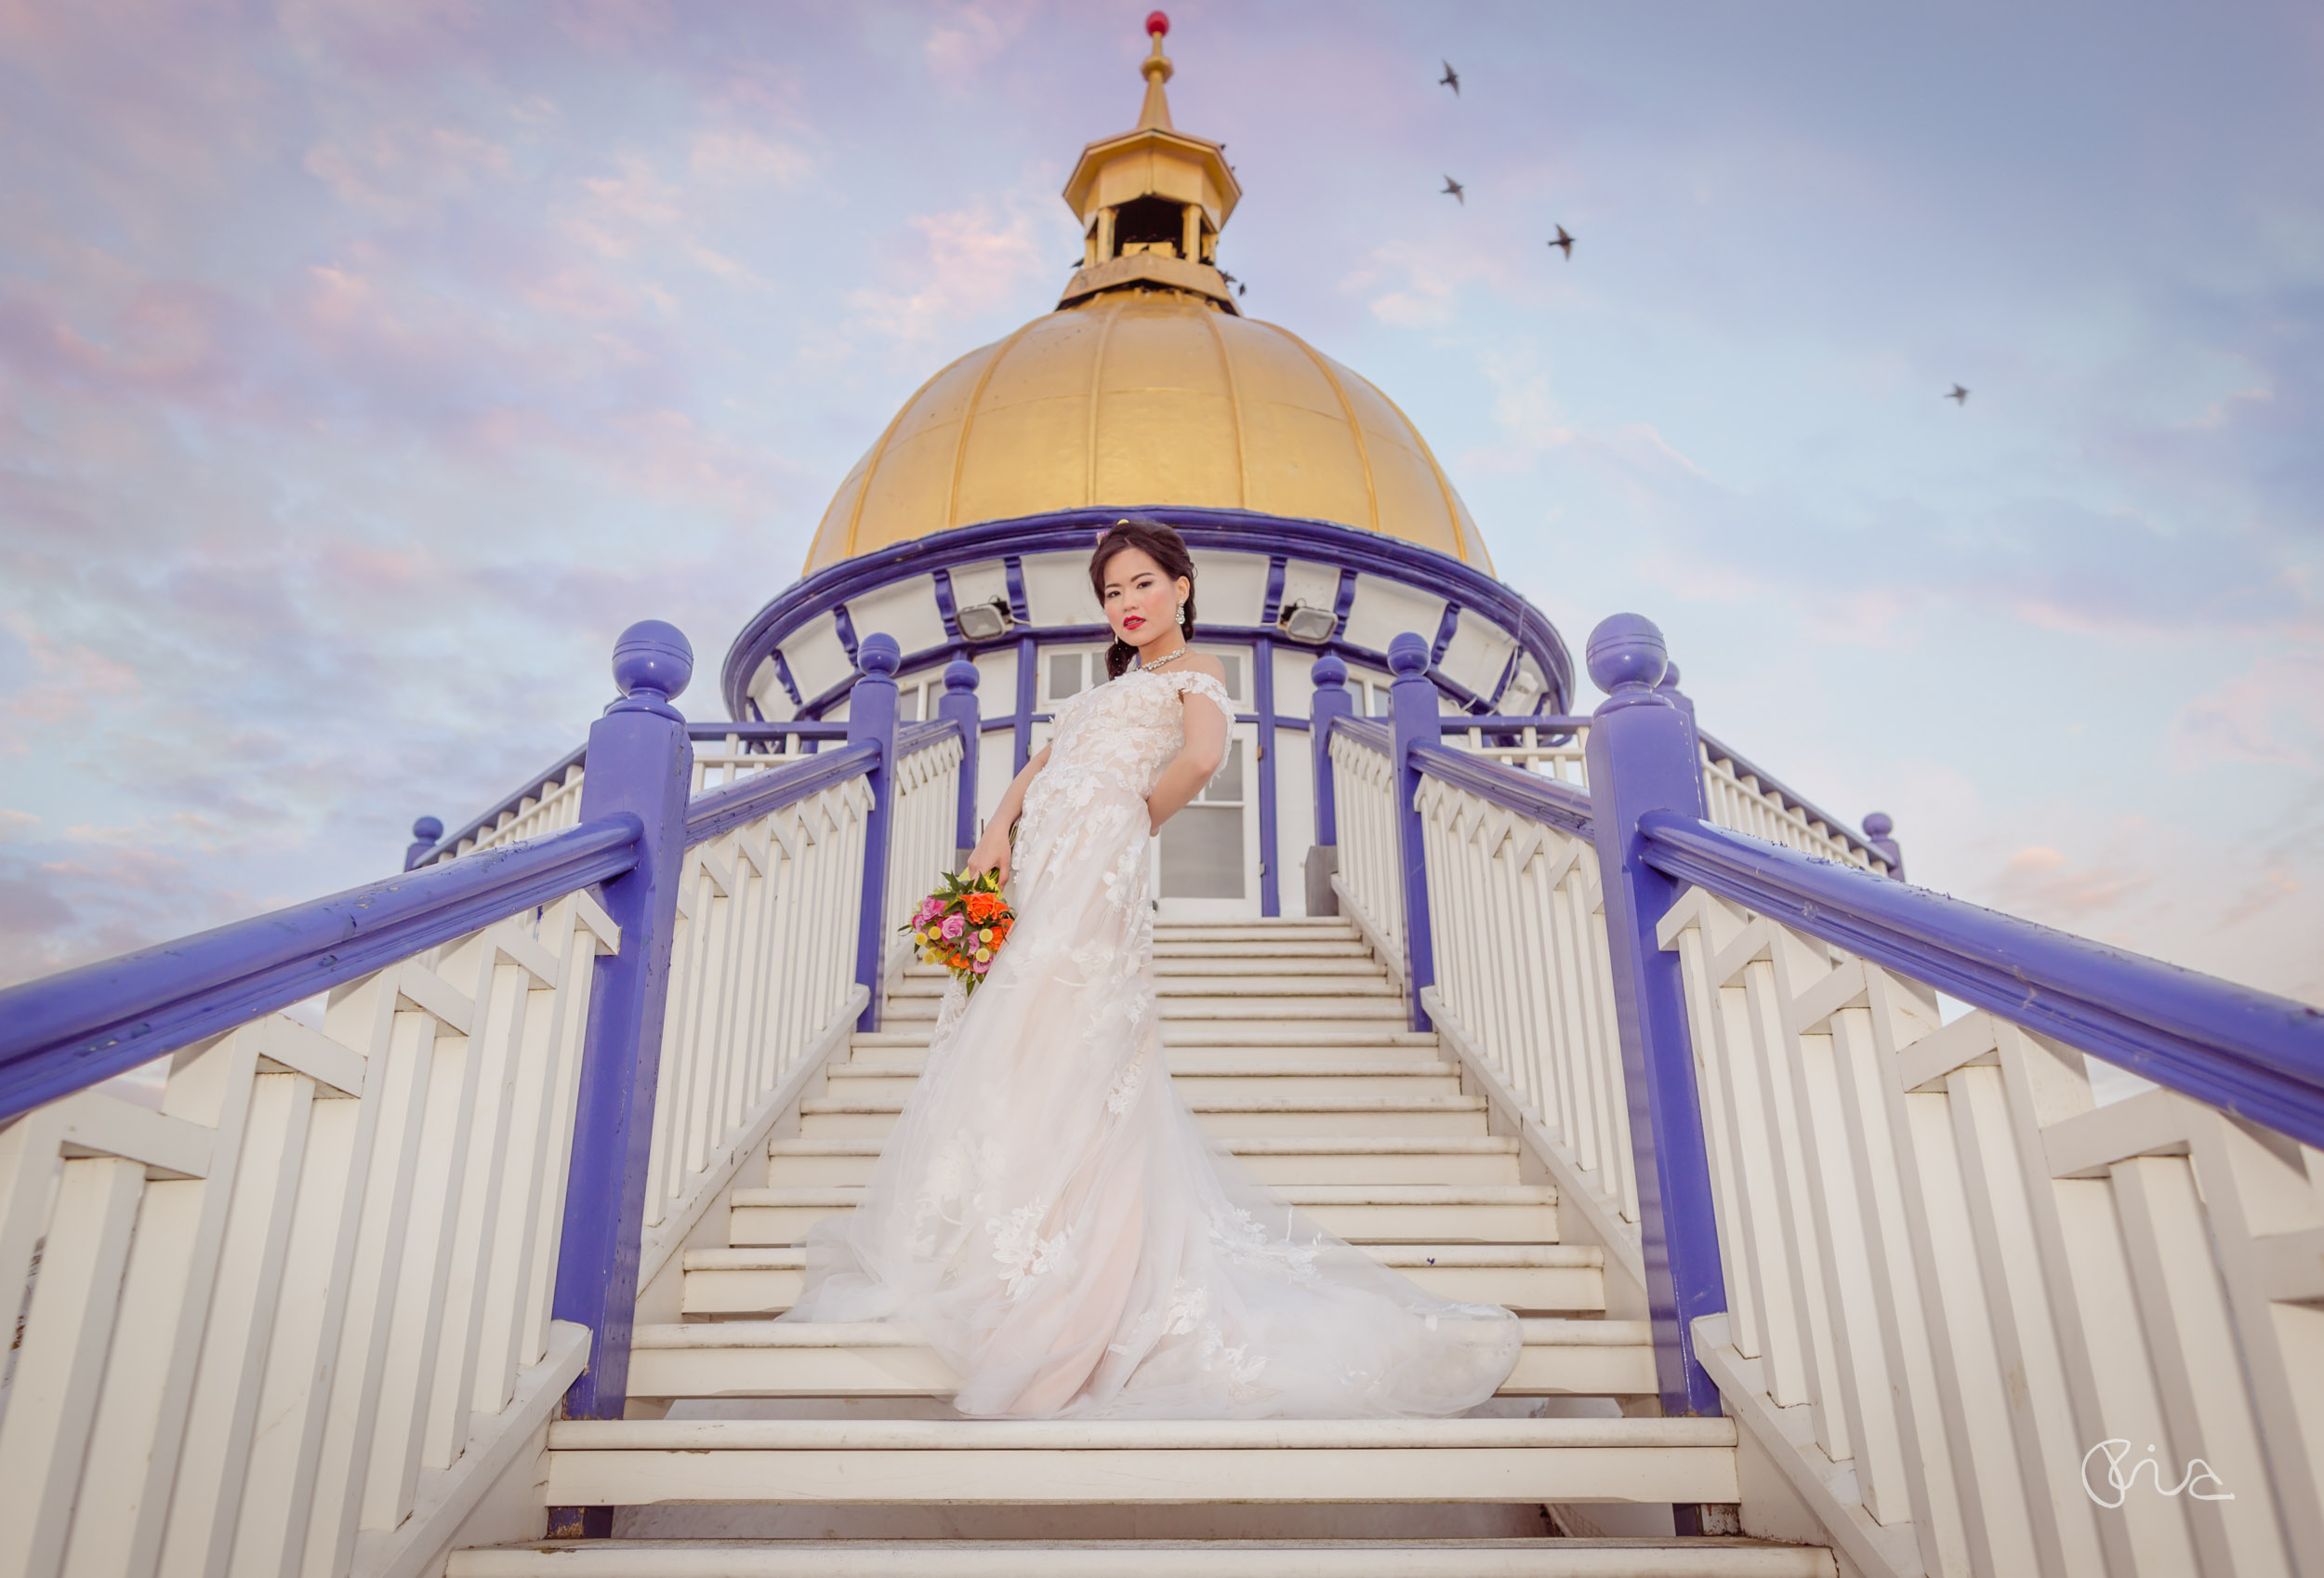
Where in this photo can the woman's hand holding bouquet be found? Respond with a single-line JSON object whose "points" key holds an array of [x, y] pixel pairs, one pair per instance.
{"points": [[963, 924]]}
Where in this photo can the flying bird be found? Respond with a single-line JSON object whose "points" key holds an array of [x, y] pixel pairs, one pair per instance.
{"points": [[1450, 79], [1958, 395], [1563, 243], [1454, 188]]}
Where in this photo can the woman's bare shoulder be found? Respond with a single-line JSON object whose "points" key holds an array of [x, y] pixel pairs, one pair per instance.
{"points": [[1203, 663]]}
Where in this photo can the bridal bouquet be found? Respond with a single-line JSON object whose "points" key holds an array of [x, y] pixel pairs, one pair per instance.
{"points": [[962, 926]]}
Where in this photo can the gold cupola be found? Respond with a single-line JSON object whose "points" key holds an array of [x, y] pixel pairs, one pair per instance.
{"points": [[1152, 201], [1147, 387]]}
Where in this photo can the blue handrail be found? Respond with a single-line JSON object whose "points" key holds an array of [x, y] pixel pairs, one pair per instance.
{"points": [[67, 1031], [1528, 794], [2249, 1053], [715, 812]]}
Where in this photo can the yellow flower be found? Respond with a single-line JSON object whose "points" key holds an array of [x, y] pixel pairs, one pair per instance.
{"points": [[983, 954], [985, 934]]}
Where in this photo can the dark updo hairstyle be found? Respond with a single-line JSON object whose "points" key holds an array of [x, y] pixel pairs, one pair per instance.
{"points": [[1158, 543]]}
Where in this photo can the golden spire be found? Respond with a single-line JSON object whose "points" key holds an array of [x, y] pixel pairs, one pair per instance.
{"points": [[1155, 114], [1152, 201]]}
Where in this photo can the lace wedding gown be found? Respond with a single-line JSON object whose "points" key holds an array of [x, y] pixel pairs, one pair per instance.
{"points": [[1051, 1214]]}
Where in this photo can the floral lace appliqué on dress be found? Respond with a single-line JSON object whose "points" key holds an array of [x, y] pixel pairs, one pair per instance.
{"points": [[1051, 1214]]}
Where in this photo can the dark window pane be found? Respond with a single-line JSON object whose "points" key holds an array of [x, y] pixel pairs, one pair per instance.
{"points": [[1065, 674]]}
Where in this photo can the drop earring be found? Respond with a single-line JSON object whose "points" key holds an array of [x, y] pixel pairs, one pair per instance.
{"points": [[1181, 613]]}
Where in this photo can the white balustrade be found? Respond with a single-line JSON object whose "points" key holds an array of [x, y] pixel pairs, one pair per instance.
{"points": [[1370, 879], [292, 1317], [1959, 1290], [761, 983], [555, 802], [1734, 796], [1517, 923], [921, 836]]}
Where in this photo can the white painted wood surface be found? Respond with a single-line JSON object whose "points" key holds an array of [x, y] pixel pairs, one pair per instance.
{"points": [[1952, 1276], [309, 1294]]}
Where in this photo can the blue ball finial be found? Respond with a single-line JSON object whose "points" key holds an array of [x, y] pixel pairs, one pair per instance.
{"points": [[1878, 825], [878, 654], [427, 829], [652, 656], [1408, 654], [1329, 671], [1626, 653], [960, 675]]}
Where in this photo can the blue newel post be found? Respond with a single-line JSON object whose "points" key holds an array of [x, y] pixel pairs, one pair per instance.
{"points": [[639, 764], [1879, 832], [1413, 707], [871, 716], [425, 834], [1330, 700], [1641, 757], [958, 706]]}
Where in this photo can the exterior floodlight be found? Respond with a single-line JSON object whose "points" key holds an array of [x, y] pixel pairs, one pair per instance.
{"points": [[982, 621], [1302, 623]]}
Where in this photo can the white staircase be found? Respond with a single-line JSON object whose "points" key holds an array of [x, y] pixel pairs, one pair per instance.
{"points": [[1290, 1041]]}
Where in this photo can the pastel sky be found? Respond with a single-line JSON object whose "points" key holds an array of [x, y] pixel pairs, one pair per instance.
{"points": [[365, 365]]}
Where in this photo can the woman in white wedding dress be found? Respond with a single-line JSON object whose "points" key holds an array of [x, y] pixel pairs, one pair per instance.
{"points": [[1048, 1210]]}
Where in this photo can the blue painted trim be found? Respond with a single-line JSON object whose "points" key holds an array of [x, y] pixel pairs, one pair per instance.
{"points": [[958, 706], [1012, 572], [946, 609], [715, 812], [1239, 531], [1412, 707], [871, 720], [1446, 625], [783, 672], [1642, 759], [843, 624], [1509, 672], [1262, 696], [67, 1031], [1328, 703], [643, 769], [1342, 600], [1373, 734], [1271, 605], [1028, 688], [1528, 794], [2247, 1053]]}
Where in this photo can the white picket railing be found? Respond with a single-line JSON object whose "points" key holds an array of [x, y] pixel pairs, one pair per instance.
{"points": [[555, 802], [920, 839], [1953, 1279], [1523, 979], [1370, 879], [1734, 796], [294, 1318], [761, 984]]}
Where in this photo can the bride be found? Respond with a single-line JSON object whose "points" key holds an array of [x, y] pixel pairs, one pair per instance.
{"points": [[1048, 1211]]}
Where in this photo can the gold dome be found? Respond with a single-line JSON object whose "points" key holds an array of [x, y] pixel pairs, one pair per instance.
{"points": [[1146, 397]]}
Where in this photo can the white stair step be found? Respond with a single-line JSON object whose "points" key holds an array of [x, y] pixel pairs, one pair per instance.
{"points": [[1322, 947], [1333, 966], [771, 1359], [1270, 929], [1224, 1117], [1564, 1278], [1620, 1557], [1171, 986], [1293, 1036], [1349, 1010], [897, 1077], [641, 1463], [1489, 1159], [1361, 1213]]}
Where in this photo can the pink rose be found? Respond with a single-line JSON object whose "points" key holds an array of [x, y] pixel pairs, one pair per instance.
{"points": [[981, 965], [954, 925], [931, 907]]}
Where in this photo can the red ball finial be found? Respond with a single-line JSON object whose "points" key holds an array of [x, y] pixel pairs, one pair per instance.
{"points": [[1158, 23]]}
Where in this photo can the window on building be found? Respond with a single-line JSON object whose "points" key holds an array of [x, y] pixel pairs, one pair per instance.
{"points": [[1202, 846]]}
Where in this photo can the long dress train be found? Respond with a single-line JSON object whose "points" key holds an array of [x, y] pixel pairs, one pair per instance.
{"points": [[1053, 1217]]}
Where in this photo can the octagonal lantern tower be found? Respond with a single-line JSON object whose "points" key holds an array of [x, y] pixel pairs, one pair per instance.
{"points": [[1319, 519]]}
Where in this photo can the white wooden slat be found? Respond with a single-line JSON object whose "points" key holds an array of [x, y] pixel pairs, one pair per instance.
{"points": [[92, 1123], [142, 1411], [67, 1331], [587, 933], [532, 1098], [236, 1327], [415, 1327]]}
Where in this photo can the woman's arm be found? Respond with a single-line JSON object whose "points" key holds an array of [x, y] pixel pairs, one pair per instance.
{"points": [[991, 853], [1205, 749]]}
